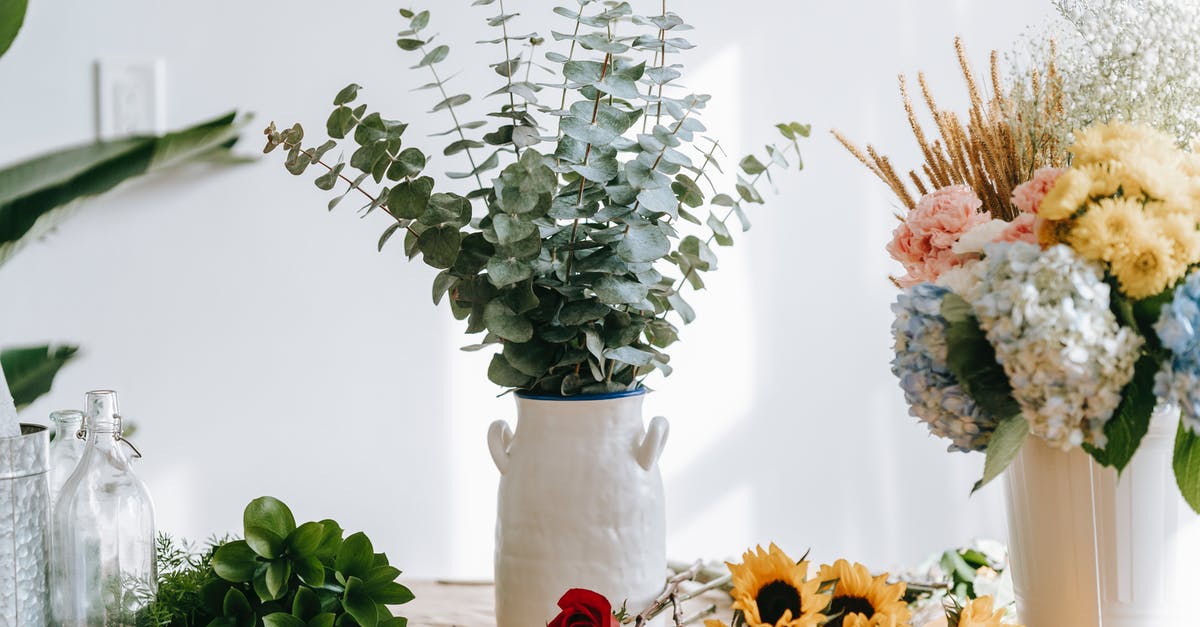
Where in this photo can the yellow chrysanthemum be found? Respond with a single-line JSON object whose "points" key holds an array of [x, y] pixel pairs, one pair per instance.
{"points": [[1106, 178], [1070, 191], [1105, 228], [1183, 233], [1051, 232], [772, 590], [1147, 265], [1116, 140], [712, 622], [860, 600], [979, 613]]}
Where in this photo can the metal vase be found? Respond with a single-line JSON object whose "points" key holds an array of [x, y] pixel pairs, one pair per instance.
{"points": [[24, 528]]}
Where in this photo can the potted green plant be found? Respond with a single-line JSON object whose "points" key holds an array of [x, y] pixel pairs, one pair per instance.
{"points": [[571, 254]]}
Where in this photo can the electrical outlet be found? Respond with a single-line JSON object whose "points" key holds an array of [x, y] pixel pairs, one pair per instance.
{"points": [[131, 97]]}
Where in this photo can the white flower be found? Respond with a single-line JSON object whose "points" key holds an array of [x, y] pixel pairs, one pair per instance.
{"points": [[973, 241]]}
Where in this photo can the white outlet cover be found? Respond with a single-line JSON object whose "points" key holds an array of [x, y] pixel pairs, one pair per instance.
{"points": [[131, 97]]}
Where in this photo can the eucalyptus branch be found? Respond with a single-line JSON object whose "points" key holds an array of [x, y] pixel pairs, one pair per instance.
{"points": [[587, 152], [512, 103], [562, 104], [453, 116]]}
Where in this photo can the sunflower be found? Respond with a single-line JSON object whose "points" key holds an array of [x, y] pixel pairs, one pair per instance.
{"points": [[978, 613], [860, 600], [771, 590]]}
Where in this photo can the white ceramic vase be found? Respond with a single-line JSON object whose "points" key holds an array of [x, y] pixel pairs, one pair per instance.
{"points": [[580, 504], [1147, 537], [1051, 538]]}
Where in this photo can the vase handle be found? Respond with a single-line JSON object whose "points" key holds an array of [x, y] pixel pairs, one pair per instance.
{"points": [[652, 446], [499, 437]]}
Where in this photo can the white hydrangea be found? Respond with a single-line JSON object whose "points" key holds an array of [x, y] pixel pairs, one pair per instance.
{"points": [[1130, 60], [1047, 315]]}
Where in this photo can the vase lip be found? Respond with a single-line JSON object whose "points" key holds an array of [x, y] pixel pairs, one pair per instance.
{"points": [[582, 397]]}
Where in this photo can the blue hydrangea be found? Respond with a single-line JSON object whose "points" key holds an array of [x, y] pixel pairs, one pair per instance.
{"points": [[933, 394], [1179, 380]]}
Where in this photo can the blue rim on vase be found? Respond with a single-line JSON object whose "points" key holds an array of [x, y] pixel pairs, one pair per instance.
{"points": [[583, 397]]}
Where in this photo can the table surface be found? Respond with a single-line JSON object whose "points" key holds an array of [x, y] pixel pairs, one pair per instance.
{"points": [[471, 604]]}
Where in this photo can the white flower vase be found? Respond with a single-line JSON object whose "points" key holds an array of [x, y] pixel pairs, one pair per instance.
{"points": [[580, 505], [1147, 537], [1051, 536]]}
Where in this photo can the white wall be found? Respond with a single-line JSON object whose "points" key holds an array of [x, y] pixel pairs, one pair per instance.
{"points": [[264, 347]]}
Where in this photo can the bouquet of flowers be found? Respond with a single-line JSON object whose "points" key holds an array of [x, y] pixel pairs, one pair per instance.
{"points": [[1050, 249]]}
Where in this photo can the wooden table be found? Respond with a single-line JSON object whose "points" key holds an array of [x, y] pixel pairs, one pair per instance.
{"points": [[471, 604]]}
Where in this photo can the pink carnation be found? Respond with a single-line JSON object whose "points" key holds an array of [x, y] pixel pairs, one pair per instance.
{"points": [[1020, 230], [923, 242], [1028, 195]]}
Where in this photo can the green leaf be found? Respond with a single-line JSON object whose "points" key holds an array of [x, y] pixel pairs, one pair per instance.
{"points": [[501, 320], [439, 245], [309, 570], [502, 272], [630, 355], [447, 210], [720, 231], [1187, 465], [235, 603], [1003, 447], [393, 594], [331, 541], [280, 619], [612, 290], [437, 55], [408, 163], [420, 21], [687, 191], [751, 165], [278, 573], [325, 619], [235, 562], [12, 16], [510, 230], [407, 200], [30, 371], [355, 556], [347, 94], [269, 513], [409, 44], [266, 543], [452, 101], [305, 539], [531, 358], [972, 360], [1131, 420], [643, 243], [582, 311], [503, 374], [358, 604], [31, 190]]}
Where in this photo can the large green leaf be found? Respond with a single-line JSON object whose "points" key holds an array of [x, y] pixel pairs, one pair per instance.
{"points": [[1187, 465], [30, 370], [12, 15], [972, 360], [33, 189], [1003, 448], [1131, 420]]}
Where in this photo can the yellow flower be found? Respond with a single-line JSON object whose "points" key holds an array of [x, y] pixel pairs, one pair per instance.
{"points": [[1114, 141], [1104, 229], [1147, 265], [1051, 232], [978, 613], [772, 590], [863, 600], [1069, 193], [712, 622], [1183, 233]]}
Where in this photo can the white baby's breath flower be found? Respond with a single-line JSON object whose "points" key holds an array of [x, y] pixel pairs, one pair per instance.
{"points": [[973, 241]]}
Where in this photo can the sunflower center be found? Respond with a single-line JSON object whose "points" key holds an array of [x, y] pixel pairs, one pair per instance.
{"points": [[844, 606], [774, 599]]}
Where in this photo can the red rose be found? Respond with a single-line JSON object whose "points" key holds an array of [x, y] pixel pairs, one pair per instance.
{"points": [[584, 608]]}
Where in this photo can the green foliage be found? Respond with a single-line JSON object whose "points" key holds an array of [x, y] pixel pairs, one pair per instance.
{"points": [[32, 191], [281, 574], [1131, 420], [573, 258], [30, 370], [12, 16], [1187, 465]]}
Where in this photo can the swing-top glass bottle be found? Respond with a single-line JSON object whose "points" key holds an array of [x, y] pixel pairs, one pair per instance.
{"points": [[103, 569]]}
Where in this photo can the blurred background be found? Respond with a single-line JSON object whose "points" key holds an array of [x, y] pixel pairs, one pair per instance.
{"points": [[263, 346]]}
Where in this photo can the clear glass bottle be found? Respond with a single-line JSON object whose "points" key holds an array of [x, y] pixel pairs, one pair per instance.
{"points": [[103, 570], [66, 449]]}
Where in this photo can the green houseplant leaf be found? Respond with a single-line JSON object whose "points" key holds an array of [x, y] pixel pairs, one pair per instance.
{"points": [[1187, 465], [12, 16], [30, 371], [1131, 420], [33, 189]]}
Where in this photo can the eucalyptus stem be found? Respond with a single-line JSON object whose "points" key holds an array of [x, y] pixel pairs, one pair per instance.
{"points": [[512, 103], [582, 180], [562, 104], [454, 116]]}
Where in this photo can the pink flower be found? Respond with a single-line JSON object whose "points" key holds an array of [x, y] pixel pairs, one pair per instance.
{"points": [[1028, 195], [924, 241], [1020, 230]]}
